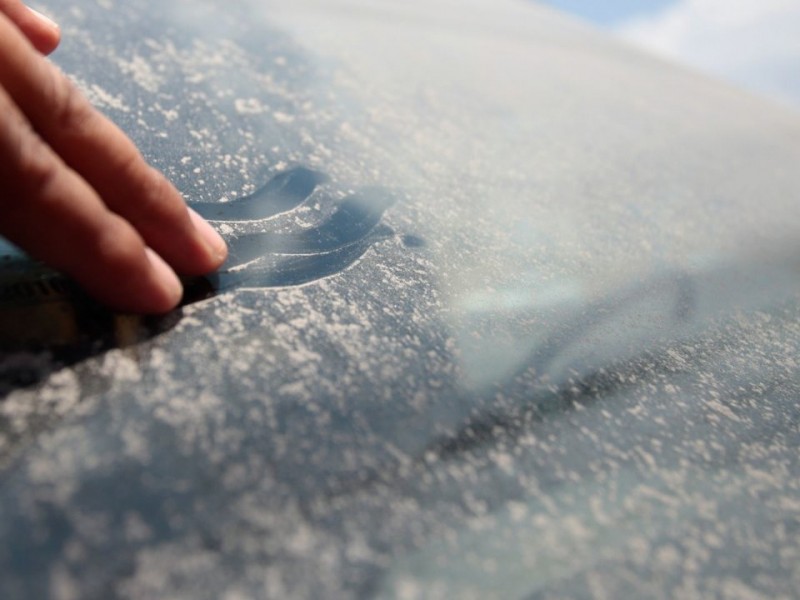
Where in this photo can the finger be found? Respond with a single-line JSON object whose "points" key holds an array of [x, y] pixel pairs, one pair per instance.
{"points": [[109, 162], [41, 31], [47, 209]]}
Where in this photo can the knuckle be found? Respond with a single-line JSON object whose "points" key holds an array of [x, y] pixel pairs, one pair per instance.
{"points": [[119, 247], [70, 109], [36, 167], [156, 198], [27, 165]]}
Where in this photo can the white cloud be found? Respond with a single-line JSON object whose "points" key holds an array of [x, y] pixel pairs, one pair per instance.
{"points": [[753, 42]]}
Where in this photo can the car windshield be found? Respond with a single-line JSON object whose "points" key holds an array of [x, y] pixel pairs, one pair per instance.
{"points": [[510, 309]]}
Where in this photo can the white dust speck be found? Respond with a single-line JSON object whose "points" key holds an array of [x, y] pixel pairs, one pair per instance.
{"points": [[100, 97], [142, 73], [249, 106], [282, 117]]}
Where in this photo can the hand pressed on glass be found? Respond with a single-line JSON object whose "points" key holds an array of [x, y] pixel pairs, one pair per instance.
{"points": [[76, 193]]}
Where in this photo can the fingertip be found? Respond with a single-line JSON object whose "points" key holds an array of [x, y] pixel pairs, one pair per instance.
{"points": [[44, 20], [213, 240], [45, 34], [167, 291]]}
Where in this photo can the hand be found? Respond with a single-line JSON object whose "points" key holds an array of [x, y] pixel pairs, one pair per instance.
{"points": [[74, 190]]}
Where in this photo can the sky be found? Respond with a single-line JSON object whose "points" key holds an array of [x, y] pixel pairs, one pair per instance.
{"points": [[753, 43], [609, 12]]}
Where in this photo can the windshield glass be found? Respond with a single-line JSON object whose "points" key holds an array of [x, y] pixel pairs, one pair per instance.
{"points": [[509, 307]]}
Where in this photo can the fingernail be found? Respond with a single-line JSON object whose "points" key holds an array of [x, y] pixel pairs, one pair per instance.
{"points": [[47, 21], [210, 236], [169, 282]]}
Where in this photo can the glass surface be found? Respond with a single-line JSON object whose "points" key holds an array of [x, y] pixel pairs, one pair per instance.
{"points": [[510, 310]]}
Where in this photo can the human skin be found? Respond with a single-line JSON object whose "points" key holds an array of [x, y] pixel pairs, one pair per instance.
{"points": [[75, 192]]}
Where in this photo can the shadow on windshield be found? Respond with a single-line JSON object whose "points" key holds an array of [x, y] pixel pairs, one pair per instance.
{"points": [[628, 332]]}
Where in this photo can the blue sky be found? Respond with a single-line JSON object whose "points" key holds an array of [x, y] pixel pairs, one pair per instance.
{"points": [[752, 43], [609, 12]]}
